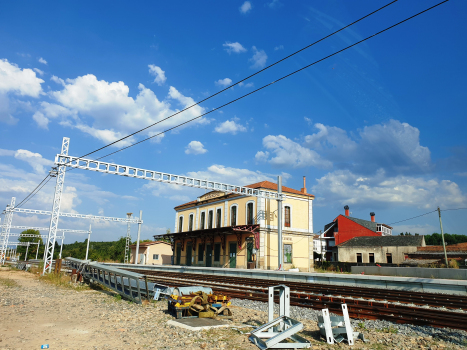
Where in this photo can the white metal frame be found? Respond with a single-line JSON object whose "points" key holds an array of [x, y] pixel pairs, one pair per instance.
{"points": [[152, 175], [6, 230]]}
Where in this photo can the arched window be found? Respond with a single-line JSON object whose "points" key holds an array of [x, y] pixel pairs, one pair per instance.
{"points": [[180, 224], [219, 217], [210, 218], [287, 216], [190, 223], [203, 220], [233, 215], [249, 214]]}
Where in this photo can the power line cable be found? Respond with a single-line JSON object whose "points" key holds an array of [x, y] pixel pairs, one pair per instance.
{"points": [[240, 81], [264, 86], [413, 217], [225, 89], [26, 198], [453, 209], [254, 91]]}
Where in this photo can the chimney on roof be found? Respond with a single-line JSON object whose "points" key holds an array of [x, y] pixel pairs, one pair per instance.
{"points": [[304, 185], [347, 213], [372, 214]]}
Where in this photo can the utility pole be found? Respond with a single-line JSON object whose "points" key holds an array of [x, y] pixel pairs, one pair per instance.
{"points": [[61, 245], [87, 248], [442, 236], [279, 223], [37, 251], [126, 258], [320, 248], [26, 256], [139, 235]]}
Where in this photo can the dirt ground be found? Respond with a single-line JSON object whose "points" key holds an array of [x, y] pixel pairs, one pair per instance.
{"points": [[34, 312]]}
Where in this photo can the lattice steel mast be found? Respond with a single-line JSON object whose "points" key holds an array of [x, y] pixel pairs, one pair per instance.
{"points": [[50, 245], [6, 229]]}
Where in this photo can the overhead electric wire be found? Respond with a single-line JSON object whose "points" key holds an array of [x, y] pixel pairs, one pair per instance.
{"points": [[225, 89], [31, 193], [413, 217], [254, 91], [27, 200], [264, 86], [240, 81], [453, 209]]}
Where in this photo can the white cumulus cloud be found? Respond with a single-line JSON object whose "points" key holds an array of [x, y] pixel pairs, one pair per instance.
{"points": [[246, 7], [159, 74], [288, 153], [195, 147], [41, 120], [346, 187], [38, 71], [106, 111], [235, 47], [224, 82], [259, 58], [23, 82], [230, 126], [41, 60]]}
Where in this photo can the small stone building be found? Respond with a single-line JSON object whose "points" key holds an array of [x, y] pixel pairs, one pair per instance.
{"points": [[152, 253], [383, 249]]}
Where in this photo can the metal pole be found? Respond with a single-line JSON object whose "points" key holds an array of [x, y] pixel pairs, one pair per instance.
{"points": [[26, 256], [87, 248], [61, 246], [37, 251], [126, 258], [279, 223], [320, 248], [139, 234], [442, 236]]}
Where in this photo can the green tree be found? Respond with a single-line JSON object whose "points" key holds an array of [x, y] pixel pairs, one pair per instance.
{"points": [[33, 247]]}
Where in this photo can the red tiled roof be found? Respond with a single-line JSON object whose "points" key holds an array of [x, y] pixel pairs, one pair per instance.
{"points": [[263, 184], [273, 186]]}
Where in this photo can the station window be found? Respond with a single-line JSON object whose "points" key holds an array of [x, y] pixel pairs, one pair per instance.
{"points": [[249, 214], [155, 256], [210, 218], [219, 218], [233, 216], [180, 224], [203, 219], [389, 258], [190, 223], [287, 216], [371, 257], [287, 253], [359, 257]]}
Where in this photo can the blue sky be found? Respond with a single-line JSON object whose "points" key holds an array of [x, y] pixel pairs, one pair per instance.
{"points": [[379, 127]]}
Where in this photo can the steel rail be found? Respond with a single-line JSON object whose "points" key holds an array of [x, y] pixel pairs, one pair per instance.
{"points": [[375, 294], [358, 307]]}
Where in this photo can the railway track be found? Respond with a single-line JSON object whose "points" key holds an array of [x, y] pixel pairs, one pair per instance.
{"points": [[424, 309]]}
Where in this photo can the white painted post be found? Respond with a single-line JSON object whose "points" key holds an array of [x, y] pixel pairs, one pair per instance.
{"points": [[87, 248], [279, 223], [61, 245], [26, 256], [37, 251], [137, 239]]}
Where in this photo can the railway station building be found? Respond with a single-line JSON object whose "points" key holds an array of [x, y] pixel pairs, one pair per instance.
{"points": [[231, 230]]}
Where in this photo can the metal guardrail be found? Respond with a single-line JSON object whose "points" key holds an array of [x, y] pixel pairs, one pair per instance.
{"points": [[128, 284]]}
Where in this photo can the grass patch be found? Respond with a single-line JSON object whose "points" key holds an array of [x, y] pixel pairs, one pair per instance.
{"points": [[7, 282], [62, 280]]}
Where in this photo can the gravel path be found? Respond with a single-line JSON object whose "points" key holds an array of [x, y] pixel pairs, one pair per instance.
{"points": [[33, 312]]}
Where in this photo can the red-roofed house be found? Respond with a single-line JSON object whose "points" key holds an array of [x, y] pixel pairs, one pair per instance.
{"points": [[344, 227], [221, 229]]}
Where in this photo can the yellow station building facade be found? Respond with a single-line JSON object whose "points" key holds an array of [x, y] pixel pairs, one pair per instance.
{"points": [[239, 231]]}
